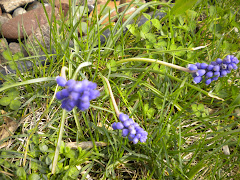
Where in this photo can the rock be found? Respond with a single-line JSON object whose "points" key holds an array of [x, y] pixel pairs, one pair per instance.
{"points": [[0, 11], [3, 47], [18, 11], [9, 5], [27, 22], [7, 15], [41, 35], [64, 5], [14, 47], [34, 5], [3, 20]]}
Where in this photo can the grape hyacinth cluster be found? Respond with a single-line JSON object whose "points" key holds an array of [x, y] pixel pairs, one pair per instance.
{"points": [[130, 128], [213, 71], [76, 93]]}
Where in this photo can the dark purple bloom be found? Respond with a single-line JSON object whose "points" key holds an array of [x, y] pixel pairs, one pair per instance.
{"points": [[61, 81]]}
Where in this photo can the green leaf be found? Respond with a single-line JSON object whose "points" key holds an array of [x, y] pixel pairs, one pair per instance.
{"points": [[201, 107], [34, 176], [84, 27], [43, 147], [151, 37], [5, 101], [194, 107], [158, 102], [18, 56], [7, 55], [13, 93], [15, 105], [156, 24], [145, 28], [182, 6], [147, 16], [21, 173]]}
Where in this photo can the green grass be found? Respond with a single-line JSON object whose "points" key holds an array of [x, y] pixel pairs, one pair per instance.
{"points": [[188, 124]]}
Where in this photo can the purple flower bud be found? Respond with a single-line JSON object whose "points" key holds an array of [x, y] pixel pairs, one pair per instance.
{"points": [[59, 95], [123, 117], [92, 85], [70, 84], [135, 140], [223, 73], [224, 66], [85, 83], [216, 75], [83, 105], [213, 63], [218, 61], [61, 81], [119, 125], [94, 94], [235, 60], [197, 79], [114, 126], [203, 65], [209, 74], [126, 123], [227, 59], [234, 66], [230, 67], [131, 121], [194, 74], [142, 139], [131, 136], [200, 72], [192, 67], [210, 67], [85, 96], [216, 68], [198, 65], [135, 125], [125, 132], [74, 95], [208, 81], [78, 87]]}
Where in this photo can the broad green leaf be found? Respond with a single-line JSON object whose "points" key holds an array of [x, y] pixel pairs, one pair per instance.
{"points": [[34, 176], [21, 173], [13, 93], [151, 37], [15, 104], [147, 16], [18, 56], [158, 102], [201, 107], [194, 107], [133, 30], [145, 28], [182, 6], [84, 26], [5, 101], [7, 55], [156, 24], [43, 147]]}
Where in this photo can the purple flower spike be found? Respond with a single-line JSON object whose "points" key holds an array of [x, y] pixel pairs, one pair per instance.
{"points": [[192, 67], [223, 73], [213, 63], [201, 72], [130, 129], [234, 66], [198, 65], [61, 81], [76, 93]]}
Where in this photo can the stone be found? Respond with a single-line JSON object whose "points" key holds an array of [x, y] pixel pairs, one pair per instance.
{"points": [[7, 15], [34, 5], [3, 47], [41, 35], [27, 23], [0, 11], [9, 5], [18, 11], [3, 20], [14, 47]]}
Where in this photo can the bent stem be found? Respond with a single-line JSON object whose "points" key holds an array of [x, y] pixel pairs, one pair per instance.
{"points": [[60, 134], [112, 97], [154, 61]]}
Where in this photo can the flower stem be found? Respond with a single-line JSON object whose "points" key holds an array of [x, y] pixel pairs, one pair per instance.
{"points": [[60, 134], [154, 61], [112, 97]]}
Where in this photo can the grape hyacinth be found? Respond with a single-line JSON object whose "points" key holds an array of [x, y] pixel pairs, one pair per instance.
{"points": [[211, 72], [130, 128], [76, 93]]}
